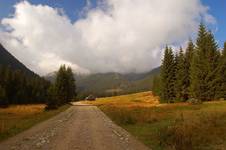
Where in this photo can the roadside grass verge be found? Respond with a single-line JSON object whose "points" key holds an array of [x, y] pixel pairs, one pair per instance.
{"points": [[18, 118], [178, 126]]}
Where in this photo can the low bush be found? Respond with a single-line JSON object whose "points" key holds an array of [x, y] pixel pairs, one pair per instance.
{"points": [[194, 101]]}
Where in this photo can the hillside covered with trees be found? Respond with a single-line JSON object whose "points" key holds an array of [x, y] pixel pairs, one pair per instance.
{"points": [[7, 59], [19, 85]]}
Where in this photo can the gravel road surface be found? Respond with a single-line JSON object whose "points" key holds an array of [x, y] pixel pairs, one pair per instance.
{"points": [[81, 127]]}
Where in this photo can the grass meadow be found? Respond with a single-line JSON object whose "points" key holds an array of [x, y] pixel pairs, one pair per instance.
{"points": [[18, 118], [179, 126]]}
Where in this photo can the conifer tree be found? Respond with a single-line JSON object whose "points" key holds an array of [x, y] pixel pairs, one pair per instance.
{"points": [[199, 67], [52, 101], [204, 66], [65, 84], [61, 84], [164, 75], [188, 59], [19, 88], [221, 76], [180, 77], [213, 56], [3, 100], [71, 84], [168, 76], [156, 86]]}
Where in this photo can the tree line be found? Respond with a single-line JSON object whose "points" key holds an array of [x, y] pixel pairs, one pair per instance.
{"points": [[16, 87], [198, 72], [63, 90]]}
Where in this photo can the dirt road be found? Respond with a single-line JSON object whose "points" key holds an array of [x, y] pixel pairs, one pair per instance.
{"points": [[81, 127]]}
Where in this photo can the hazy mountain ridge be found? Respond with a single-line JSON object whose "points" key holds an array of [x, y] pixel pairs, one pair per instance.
{"points": [[107, 84]]}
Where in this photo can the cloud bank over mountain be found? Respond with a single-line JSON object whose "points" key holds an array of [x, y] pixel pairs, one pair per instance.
{"points": [[116, 36]]}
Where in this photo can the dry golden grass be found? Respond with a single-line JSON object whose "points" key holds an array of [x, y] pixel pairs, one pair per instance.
{"points": [[9, 116], [144, 99], [17, 118], [23, 109], [179, 126]]}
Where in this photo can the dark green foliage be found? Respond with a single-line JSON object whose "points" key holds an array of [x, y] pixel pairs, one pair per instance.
{"points": [[65, 84], [52, 100], [199, 67], [19, 88], [168, 76], [18, 84], [63, 90], [156, 85], [180, 77], [199, 73], [3, 100], [61, 84], [71, 84], [213, 57], [221, 76], [204, 66], [194, 101], [188, 60], [6, 59]]}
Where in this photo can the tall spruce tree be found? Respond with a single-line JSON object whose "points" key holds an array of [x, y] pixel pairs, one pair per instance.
{"points": [[188, 60], [213, 56], [204, 66], [180, 77], [156, 86], [168, 76], [61, 85], [221, 76], [52, 100], [65, 84], [199, 67], [3, 100], [71, 84]]}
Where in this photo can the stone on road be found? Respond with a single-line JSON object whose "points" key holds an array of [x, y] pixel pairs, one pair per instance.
{"points": [[81, 127]]}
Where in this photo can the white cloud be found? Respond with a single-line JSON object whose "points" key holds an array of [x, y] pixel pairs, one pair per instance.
{"points": [[120, 36]]}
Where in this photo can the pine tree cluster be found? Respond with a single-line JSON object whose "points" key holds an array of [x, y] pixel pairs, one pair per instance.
{"points": [[63, 90], [199, 72], [18, 88]]}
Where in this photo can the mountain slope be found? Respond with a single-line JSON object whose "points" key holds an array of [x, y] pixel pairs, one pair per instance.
{"points": [[7, 59], [108, 84]]}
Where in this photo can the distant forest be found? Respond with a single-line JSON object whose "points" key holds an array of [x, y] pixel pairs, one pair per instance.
{"points": [[197, 73], [16, 87], [20, 85]]}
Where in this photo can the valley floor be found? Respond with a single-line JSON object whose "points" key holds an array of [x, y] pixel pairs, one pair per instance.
{"points": [[179, 126], [81, 127]]}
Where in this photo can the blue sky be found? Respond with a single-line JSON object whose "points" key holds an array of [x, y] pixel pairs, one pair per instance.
{"points": [[128, 38], [72, 8]]}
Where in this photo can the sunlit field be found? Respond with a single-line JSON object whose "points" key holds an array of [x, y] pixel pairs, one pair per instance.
{"points": [[145, 99], [178, 126], [17, 118]]}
